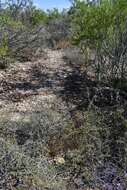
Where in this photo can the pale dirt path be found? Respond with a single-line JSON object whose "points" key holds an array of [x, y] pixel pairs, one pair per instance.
{"points": [[30, 87], [31, 113]]}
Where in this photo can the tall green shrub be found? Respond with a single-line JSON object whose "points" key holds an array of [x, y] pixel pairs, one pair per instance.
{"points": [[102, 29]]}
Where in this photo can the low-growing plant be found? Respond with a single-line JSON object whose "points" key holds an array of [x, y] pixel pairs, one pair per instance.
{"points": [[99, 152]]}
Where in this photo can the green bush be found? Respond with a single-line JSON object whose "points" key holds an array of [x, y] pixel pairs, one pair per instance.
{"points": [[54, 14], [4, 52], [101, 29], [38, 17], [7, 25]]}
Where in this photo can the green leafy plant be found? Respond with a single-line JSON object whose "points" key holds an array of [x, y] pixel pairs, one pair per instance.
{"points": [[38, 17], [4, 52], [101, 29]]}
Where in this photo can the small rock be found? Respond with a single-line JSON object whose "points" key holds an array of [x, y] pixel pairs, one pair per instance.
{"points": [[59, 160]]}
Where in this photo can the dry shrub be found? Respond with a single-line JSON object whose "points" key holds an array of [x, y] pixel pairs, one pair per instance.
{"points": [[63, 44], [94, 157], [73, 57], [28, 44], [18, 170], [23, 142]]}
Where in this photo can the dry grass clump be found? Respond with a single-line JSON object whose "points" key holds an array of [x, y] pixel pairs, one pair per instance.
{"points": [[59, 30], [74, 58], [63, 44], [20, 171], [24, 158]]}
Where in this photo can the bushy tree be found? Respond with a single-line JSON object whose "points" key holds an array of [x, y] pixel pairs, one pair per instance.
{"points": [[54, 14], [38, 17], [15, 7], [101, 29]]}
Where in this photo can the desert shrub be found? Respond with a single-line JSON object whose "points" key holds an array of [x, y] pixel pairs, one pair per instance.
{"points": [[59, 28], [29, 30], [38, 17], [8, 28], [24, 157], [74, 57], [101, 30], [25, 44], [63, 44], [18, 170], [4, 52], [22, 26], [99, 158], [54, 14], [32, 17], [15, 8], [6, 23]]}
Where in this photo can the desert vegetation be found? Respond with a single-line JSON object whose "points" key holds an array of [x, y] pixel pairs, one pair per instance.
{"points": [[63, 96]]}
